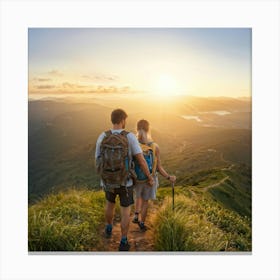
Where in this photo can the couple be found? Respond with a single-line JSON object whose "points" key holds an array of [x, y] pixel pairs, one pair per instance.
{"points": [[122, 166]]}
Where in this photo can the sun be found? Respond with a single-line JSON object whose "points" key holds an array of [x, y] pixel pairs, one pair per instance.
{"points": [[165, 85]]}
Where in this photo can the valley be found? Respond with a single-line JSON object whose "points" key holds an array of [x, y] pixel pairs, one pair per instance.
{"points": [[211, 159], [62, 138]]}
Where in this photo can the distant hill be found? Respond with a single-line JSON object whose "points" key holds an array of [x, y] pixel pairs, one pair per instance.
{"points": [[62, 136], [229, 186], [205, 142]]}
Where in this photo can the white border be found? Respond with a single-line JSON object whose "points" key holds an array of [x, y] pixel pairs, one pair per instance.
{"points": [[262, 16]]}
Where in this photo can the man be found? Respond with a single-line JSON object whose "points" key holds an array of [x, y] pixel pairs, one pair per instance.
{"points": [[125, 191]]}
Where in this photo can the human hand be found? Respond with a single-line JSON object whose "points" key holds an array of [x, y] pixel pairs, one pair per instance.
{"points": [[172, 179], [151, 181]]}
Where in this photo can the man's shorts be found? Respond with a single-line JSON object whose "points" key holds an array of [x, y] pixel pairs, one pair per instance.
{"points": [[125, 194]]}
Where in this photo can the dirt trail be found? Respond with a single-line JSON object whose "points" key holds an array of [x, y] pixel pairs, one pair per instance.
{"points": [[139, 241], [216, 184], [221, 181]]}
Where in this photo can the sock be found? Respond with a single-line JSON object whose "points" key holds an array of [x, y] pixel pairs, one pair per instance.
{"points": [[124, 240]]}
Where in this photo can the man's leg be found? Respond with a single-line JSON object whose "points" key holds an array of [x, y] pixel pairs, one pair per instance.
{"points": [[109, 212], [125, 212], [126, 200]]}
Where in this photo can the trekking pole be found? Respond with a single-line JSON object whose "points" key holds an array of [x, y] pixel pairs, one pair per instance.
{"points": [[173, 196]]}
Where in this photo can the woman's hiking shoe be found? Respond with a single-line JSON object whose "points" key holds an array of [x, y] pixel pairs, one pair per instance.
{"points": [[142, 226], [108, 231], [135, 219], [124, 245]]}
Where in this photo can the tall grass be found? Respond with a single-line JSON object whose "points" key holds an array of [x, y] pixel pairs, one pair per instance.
{"points": [[237, 228], [68, 221], [186, 229], [72, 220], [191, 228]]}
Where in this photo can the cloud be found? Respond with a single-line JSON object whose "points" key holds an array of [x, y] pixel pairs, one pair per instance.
{"points": [[101, 78], [77, 88], [111, 89], [86, 77], [73, 88], [41, 79], [55, 73], [45, 87], [68, 85], [125, 89], [113, 78]]}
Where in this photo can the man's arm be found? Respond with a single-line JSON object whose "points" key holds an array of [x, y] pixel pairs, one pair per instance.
{"points": [[97, 148], [143, 164], [98, 144]]}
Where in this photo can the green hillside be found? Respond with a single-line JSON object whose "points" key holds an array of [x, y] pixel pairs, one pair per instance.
{"points": [[62, 138], [230, 187], [210, 154], [212, 213]]}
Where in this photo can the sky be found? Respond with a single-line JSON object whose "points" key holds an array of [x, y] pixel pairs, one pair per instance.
{"points": [[160, 61]]}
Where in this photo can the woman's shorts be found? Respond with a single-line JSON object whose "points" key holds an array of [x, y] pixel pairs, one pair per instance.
{"points": [[145, 191]]}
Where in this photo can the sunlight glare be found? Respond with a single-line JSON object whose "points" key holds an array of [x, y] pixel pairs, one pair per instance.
{"points": [[165, 85]]}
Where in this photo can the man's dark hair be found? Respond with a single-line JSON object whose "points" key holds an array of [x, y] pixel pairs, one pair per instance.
{"points": [[118, 115]]}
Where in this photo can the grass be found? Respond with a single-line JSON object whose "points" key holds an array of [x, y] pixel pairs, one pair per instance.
{"points": [[212, 220], [232, 197], [68, 221], [200, 225]]}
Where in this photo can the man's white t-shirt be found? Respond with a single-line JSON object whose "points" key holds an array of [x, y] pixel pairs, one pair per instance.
{"points": [[133, 148]]}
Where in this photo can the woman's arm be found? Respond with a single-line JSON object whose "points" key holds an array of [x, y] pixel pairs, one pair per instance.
{"points": [[160, 168]]}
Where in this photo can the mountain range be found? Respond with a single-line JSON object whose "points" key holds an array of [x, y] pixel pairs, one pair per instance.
{"points": [[194, 134]]}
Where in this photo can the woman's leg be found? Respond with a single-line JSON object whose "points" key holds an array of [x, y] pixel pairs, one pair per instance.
{"points": [[138, 205], [144, 210]]}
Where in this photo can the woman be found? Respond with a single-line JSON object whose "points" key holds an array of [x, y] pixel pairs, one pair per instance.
{"points": [[144, 192]]}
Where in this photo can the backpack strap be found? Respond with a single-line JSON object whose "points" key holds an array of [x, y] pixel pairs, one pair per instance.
{"points": [[153, 146], [108, 133], [124, 133]]}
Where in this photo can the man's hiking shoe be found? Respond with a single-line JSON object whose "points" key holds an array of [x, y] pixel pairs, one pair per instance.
{"points": [[124, 246], [142, 226], [108, 231], [135, 219]]}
